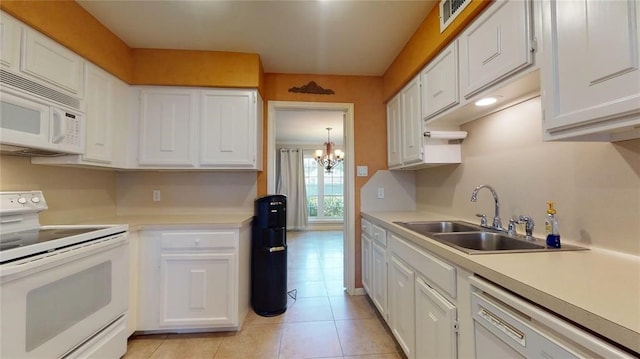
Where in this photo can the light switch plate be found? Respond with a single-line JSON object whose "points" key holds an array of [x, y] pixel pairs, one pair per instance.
{"points": [[380, 192], [363, 171]]}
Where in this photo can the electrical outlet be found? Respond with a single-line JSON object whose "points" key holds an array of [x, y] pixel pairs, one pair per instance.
{"points": [[156, 195], [380, 192]]}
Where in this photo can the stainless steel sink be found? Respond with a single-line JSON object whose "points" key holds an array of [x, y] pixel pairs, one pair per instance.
{"points": [[474, 239], [428, 228], [486, 242]]}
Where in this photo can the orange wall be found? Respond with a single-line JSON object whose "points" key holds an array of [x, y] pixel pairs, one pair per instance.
{"points": [[68, 23], [425, 44], [195, 68], [370, 126], [71, 25]]}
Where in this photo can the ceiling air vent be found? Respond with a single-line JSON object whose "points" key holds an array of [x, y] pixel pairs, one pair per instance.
{"points": [[449, 10]]}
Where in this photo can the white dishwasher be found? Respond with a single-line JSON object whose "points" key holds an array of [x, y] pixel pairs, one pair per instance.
{"points": [[507, 326]]}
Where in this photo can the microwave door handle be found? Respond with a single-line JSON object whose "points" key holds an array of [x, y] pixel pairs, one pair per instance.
{"points": [[59, 124]]}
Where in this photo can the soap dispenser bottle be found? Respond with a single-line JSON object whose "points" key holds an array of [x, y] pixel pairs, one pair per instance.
{"points": [[551, 226]]}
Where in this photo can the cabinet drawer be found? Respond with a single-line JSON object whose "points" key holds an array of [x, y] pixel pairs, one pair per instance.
{"points": [[199, 240], [366, 227], [379, 235], [435, 270]]}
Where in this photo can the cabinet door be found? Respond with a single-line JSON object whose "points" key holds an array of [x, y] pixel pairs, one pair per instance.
{"points": [[10, 30], [366, 264], [51, 62], [228, 129], [401, 304], [196, 289], [379, 278], [590, 73], [440, 82], [496, 45], [99, 104], [167, 127], [436, 335], [393, 133], [134, 280], [411, 119]]}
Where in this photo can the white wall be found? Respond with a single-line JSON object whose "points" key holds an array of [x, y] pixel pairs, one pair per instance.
{"points": [[596, 186], [399, 192], [186, 192]]}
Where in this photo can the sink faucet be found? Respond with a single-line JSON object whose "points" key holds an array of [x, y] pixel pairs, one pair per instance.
{"points": [[497, 223]]}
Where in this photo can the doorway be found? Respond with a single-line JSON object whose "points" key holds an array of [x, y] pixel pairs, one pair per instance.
{"points": [[349, 176]]}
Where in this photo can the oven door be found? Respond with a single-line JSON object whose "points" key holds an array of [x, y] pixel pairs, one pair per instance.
{"points": [[52, 303]]}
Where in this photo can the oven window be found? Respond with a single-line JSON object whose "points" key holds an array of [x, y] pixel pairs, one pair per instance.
{"points": [[55, 307]]}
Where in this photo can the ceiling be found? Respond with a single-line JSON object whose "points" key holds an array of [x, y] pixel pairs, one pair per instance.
{"points": [[333, 37], [309, 127]]}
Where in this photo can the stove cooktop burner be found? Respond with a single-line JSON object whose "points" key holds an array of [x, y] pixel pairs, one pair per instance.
{"points": [[35, 236]]}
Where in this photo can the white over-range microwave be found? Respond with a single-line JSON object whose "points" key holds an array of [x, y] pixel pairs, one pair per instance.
{"points": [[38, 121]]}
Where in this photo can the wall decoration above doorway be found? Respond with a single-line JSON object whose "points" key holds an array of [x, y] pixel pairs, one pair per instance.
{"points": [[312, 88]]}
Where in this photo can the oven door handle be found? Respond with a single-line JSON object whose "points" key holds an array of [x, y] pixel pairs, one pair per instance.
{"points": [[46, 260]]}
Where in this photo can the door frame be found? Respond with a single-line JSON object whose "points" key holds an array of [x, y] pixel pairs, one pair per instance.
{"points": [[349, 165]]}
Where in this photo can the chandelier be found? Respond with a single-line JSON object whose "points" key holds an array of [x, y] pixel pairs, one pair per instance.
{"points": [[329, 159]]}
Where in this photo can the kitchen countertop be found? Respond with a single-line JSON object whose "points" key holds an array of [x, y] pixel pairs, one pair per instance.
{"points": [[139, 222], [598, 289]]}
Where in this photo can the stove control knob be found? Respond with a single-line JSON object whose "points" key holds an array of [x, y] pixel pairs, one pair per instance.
{"points": [[22, 200], [35, 200]]}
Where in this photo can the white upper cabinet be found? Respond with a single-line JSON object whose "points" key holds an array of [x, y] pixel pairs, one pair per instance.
{"points": [[411, 123], [496, 45], [229, 128], [10, 32], [590, 71], [167, 127], [440, 82], [393, 133], [99, 106], [200, 128], [407, 147], [51, 62]]}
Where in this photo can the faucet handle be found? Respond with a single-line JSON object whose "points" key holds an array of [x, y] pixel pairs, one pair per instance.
{"points": [[511, 229], [483, 219], [529, 225]]}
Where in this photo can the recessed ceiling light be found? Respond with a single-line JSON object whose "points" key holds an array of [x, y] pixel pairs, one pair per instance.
{"points": [[486, 101]]}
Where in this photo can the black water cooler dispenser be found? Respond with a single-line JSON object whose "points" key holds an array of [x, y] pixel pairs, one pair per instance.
{"points": [[269, 256]]}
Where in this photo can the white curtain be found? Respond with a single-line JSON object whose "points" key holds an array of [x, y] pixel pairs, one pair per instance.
{"points": [[290, 182]]}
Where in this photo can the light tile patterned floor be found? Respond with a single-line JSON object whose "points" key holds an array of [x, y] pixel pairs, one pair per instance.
{"points": [[323, 322]]}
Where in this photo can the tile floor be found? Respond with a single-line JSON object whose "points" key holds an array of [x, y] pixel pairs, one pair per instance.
{"points": [[323, 322]]}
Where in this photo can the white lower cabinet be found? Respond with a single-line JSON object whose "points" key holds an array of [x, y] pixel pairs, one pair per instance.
{"points": [[379, 278], [428, 299], [197, 289], [401, 304], [134, 282], [366, 263], [194, 279], [436, 324]]}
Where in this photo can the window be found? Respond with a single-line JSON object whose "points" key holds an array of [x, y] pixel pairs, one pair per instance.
{"points": [[325, 198]]}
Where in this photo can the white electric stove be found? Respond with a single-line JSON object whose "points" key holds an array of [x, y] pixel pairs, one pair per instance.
{"points": [[63, 289]]}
